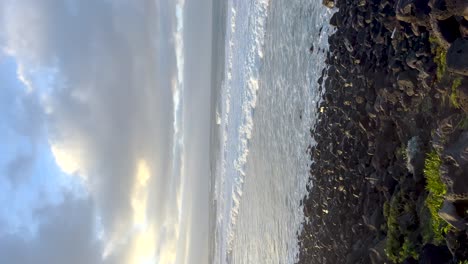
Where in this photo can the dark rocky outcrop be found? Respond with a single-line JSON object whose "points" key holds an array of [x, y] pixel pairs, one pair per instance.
{"points": [[457, 57], [454, 169], [449, 213], [432, 254], [386, 104], [457, 7]]}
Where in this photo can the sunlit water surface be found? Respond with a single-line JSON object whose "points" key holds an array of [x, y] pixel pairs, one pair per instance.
{"points": [[264, 110]]}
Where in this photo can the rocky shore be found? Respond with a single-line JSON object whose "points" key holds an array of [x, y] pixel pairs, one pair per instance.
{"points": [[390, 171]]}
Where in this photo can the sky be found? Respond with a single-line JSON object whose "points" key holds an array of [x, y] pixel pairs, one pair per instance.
{"points": [[104, 131]]}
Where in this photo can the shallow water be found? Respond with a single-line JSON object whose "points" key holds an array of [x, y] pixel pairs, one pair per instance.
{"points": [[265, 108]]}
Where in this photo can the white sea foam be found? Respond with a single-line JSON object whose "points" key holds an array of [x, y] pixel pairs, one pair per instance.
{"points": [[244, 53]]}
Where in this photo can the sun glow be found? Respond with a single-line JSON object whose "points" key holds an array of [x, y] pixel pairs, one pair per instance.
{"points": [[140, 194], [144, 242], [68, 161]]}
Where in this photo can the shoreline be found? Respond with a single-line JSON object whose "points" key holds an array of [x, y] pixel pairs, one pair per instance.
{"points": [[395, 99]]}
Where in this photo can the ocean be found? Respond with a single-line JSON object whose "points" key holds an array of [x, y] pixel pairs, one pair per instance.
{"points": [[264, 102]]}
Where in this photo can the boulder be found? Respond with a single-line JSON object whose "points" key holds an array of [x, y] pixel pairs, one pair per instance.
{"points": [[443, 9], [462, 92], [446, 30], [458, 7], [432, 254], [414, 12], [457, 57], [439, 9], [456, 242], [454, 169], [375, 257], [464, 28], [377, 253], [437, 32], [336, 19], [448, 212], [406, 81], [410, 260], [348, 45]]}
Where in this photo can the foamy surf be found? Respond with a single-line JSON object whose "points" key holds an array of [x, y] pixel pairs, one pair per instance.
{"points": [[262, 168], [243, 59]]}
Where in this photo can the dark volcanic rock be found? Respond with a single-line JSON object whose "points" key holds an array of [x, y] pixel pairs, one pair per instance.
{"points": [[464, 28], [413, 11], [407, 81], [456, 242], [336, 20], [457, 57], [462, 92], [458, 7], [449, 29], [383, 109], [454, 169], [432, 254], [439, 9], [448, 212], [410, 260]]}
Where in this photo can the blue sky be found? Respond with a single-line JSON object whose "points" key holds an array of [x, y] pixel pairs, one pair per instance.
{"points": [[32, 178], [96, 126]]}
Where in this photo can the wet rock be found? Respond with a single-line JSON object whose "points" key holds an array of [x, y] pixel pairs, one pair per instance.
{"points": [[391, 100], [458, 7], [336, 20], [432, 254], [355, 255], [348, 45], [410, 260], [449, 213], [464, 28], [377, 218], [462, 92], [377, 253], [413, 12], [452, 241], [449, 29], [439, 33], [456, 242], [411, 60], [359, 99], [406, 81], [454, 169], [457, 57], [439, 9], [375, 257]]}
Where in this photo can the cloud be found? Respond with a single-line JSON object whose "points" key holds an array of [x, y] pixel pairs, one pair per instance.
{"points": [[65, 235], [101, 72], [195, 217]]}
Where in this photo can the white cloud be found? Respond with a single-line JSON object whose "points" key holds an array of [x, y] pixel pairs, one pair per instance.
{"points": [[108, 108], [67, 159]]}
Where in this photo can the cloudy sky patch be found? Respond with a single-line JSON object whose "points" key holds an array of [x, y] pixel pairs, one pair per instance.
{"points": [[93, 109]]}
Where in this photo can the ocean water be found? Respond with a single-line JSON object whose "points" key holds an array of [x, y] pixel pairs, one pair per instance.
{"points": [[265, 97]]}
